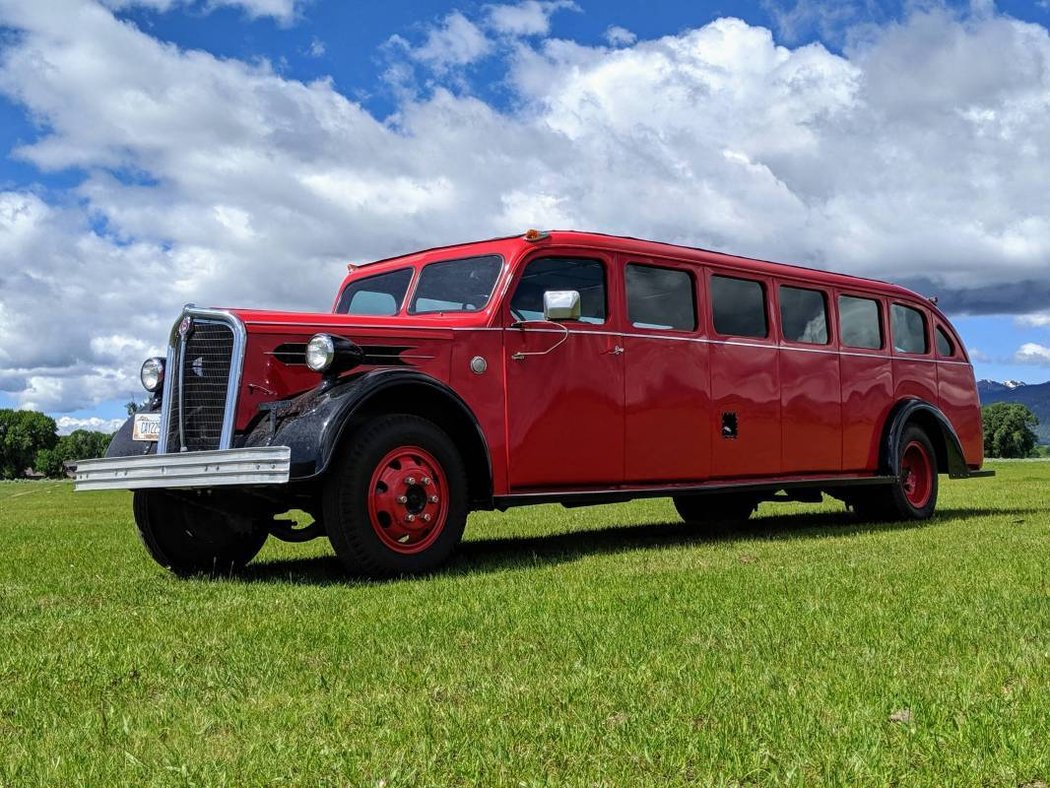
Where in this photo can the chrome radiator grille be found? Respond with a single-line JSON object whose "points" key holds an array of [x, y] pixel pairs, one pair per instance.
{"points": [[203, 364]]}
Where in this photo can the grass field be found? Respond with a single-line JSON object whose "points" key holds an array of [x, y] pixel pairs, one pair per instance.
{"points": [[591, 646]]}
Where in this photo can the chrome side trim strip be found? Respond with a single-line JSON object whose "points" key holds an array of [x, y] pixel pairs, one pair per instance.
{"points": [[223, 468], [758, 345]]}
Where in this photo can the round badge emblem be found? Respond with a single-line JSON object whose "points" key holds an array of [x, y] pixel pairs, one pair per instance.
{"points": [[186, 326]]}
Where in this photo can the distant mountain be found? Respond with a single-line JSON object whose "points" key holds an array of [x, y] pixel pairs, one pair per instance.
{"points": [[1035, 395]]}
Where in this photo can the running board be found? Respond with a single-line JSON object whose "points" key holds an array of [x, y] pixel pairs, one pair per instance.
{"points": [[570, 498]]}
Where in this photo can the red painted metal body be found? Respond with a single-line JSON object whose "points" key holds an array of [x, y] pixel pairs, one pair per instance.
{"points": [[617, 405]]}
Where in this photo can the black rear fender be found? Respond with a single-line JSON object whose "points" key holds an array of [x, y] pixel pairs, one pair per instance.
{"points": [[946, 444]]}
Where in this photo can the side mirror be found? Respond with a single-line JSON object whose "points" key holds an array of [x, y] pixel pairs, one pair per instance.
{"points": [[561, 305]]}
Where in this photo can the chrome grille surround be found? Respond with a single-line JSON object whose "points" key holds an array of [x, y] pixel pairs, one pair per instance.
{"points": [[188, 425]]}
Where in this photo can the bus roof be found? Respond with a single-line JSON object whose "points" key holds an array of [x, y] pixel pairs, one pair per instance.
{"points": [[515, 245]]}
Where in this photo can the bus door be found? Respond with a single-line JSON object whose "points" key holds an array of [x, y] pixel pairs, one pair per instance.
{"points": [[564, 379]]}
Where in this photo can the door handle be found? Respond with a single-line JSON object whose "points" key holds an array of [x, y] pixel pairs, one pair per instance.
{"points": [[617, 350]]}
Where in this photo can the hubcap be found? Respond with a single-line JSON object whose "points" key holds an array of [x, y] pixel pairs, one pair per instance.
{"points": [[408, 499], [916, 474]]}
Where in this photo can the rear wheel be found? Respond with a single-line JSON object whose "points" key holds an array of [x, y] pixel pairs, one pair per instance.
{"points": [[724, 508], [190, 538], [913, 495], [396, 501]]}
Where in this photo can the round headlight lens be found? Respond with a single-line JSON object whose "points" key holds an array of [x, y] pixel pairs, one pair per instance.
{"points": [[152, 374], [320, 352]]}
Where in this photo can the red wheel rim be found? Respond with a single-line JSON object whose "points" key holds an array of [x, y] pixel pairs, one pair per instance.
{"points": [[916, 474], [408, 500]]}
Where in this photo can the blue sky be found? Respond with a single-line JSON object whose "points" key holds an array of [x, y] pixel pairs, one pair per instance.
{"points": [[240, 151]]}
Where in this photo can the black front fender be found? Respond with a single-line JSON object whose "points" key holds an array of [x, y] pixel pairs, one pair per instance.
{"points": [[122, 445], [312, 424]]}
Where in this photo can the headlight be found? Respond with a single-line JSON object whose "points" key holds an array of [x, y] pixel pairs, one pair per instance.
{"points": [[152, 374], [320, 352]]}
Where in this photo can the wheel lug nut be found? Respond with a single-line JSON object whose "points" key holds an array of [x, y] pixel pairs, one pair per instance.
{"points": [[402, 499], [426, 481], [410, 480], [411, 518], [433, 499], [426, 518]]}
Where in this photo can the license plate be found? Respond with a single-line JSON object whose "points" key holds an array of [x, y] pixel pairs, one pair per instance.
{"points": [[146, 427]]}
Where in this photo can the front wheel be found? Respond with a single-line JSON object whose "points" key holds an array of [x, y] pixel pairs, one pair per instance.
{"points": [[395, 502], [913, 494], [190, 538]]}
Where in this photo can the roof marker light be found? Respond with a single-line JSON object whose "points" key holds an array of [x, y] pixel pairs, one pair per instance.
{"points": [[536, 235]]}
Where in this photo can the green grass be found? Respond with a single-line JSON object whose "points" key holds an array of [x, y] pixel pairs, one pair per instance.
{"points": [[609, 645]]}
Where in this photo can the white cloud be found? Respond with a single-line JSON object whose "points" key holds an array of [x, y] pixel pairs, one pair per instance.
{"points": [[1033, 353], [619, 36], [317, 48], [921, 152], [284, 11], [527, 18], [68, 424], [1036, 320], [456, 41]]}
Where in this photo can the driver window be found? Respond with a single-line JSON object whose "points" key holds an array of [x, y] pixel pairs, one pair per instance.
{"points": [[585, 276]]}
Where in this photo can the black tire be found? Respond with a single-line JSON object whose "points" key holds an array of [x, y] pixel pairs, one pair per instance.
{"points": [[192, 539], [715, 509], [913, 496], [366, 519]]}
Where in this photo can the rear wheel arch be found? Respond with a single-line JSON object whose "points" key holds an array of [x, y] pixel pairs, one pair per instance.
{"points": [[942, 436]]}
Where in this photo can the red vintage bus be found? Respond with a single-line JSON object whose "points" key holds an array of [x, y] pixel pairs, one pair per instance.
{"points": [[556, 366]]}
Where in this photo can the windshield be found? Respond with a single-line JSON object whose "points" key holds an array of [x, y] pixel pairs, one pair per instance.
{"points": [[381, 294], [463, 285]]}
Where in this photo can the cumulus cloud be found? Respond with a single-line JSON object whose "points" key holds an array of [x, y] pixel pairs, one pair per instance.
{"points": [[1038, 319], [619, 36], [527, 18], [1033, 353], [454, 42], [919, 155], [68, 424]]}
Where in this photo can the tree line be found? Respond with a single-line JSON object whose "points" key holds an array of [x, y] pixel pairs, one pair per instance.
{"points": [[30, 441]]}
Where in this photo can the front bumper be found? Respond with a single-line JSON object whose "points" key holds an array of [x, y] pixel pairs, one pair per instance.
{"points": [[222, 468]]}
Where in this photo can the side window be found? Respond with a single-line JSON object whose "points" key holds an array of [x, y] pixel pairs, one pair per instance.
{"points": [[739, 307], [660, 298], [909, 330], [804, 315], [859, 324], [376, 295], [583, 275], [945, 346]]}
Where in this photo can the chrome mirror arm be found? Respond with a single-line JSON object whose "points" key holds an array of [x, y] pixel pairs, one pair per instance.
{"points": [[521, 354]]}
